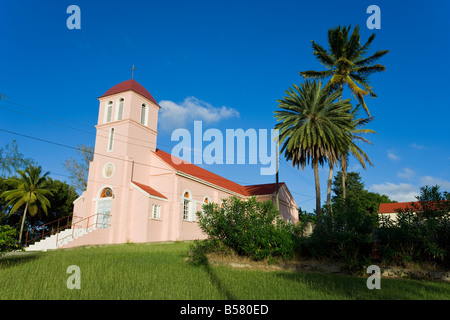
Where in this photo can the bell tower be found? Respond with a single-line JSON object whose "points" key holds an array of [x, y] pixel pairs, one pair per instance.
{"points": [[127, 122], [126, 135]]}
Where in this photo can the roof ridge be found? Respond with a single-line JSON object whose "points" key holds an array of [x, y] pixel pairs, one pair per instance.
{"points": [[132, 85], [230, 185], [211, 177]]}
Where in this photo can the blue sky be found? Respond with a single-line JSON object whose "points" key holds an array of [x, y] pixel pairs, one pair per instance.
{"points": [[234, 56]]}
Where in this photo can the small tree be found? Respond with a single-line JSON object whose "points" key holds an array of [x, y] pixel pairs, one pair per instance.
{"points": [[12, 160], [31, 191], [365, 200], [63, 196], [79, 170], [8, 240]]}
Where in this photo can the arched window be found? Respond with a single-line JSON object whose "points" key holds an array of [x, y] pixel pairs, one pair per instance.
{"points": [[205, 201], [103, 208], [119, 115], [144, 114], [111, 139], [187, 206], [106, 193], [108, 111]]}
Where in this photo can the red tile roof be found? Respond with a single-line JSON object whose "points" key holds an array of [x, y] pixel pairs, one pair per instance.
{"points": [[130, 85], [149, 190], [205, 175], [262, 189], [393, 207], [198, 172]]}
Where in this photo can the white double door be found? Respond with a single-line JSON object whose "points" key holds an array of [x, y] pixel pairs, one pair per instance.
{"points": [[103, 213]]}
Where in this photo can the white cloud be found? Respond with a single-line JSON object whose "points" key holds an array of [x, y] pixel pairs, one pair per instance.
{"points": [[173, 115], [391, 155], [417, 146], [406, 174], [406, 192], [402, 192], [355, 167], [432, 181]]}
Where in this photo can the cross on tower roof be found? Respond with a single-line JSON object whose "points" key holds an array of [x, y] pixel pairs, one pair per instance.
{"points": [[132, 71]]}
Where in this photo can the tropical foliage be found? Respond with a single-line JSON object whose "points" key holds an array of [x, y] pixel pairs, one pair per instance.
{"points": [[79, 170], [354, 149], [421, 232], [345, 62], [358, 196], [313, 126], [8, 239], [12, 160], [29, 190], [251, 228]]}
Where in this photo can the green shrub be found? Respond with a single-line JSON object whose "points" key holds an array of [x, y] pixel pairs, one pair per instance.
{"points": [[251, 228], [421, 232], [8, 239], [343, 234]]}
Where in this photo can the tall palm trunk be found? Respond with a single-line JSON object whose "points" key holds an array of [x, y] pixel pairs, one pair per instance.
{"points": [[23, 222], [343, 168], [344, 177], [316, 177], [329, 182]]}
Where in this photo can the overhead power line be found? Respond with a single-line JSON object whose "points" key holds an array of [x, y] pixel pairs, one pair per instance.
{"points": [[71, 121]]}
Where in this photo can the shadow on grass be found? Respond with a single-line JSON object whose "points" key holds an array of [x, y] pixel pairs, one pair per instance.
{"points": [[355, 288], [217, 282], [12, 260]]}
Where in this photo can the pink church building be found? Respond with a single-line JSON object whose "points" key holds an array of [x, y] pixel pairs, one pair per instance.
{"points": [[137, 192]]}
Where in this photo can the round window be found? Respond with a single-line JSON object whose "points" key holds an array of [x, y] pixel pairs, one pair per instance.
{"points": [[108, 192], [108, 170]]}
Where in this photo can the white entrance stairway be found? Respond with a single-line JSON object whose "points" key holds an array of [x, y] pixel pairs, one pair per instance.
{"points": [[58, 240]]}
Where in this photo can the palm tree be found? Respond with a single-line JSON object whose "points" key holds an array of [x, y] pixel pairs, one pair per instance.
{"points": [[354, 149], [30, 190], [312, 126], [345, 62]]}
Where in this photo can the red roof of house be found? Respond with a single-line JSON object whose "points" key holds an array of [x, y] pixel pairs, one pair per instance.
{"points": [[205, 175], [130, 85], [262, 189], [393, 207], [149, 190]]}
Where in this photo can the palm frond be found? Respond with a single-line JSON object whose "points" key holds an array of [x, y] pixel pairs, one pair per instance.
{"points": [[311, 74], [367, 61], [363, 49], [368, 70], [322, 55]]}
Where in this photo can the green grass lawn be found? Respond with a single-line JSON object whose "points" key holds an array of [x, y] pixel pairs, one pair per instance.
{"points": [[159, 271]]}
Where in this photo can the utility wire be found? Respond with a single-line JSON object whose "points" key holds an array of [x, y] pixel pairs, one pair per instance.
{"points": [[4, 98]]}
